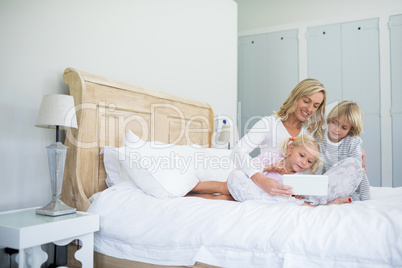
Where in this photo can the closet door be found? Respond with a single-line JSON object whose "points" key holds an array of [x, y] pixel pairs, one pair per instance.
{"points": [[395, 25], [268, 71], [345, 58], [325, 61], [361, 83], [252, 79], [283, 68]]}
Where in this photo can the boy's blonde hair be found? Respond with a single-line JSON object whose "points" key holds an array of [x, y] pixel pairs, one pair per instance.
{"points": [[352, 113], [305, 88], [304, 140]]}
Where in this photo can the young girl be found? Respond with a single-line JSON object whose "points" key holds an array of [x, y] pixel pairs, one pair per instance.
{"points": [[300, 154], [341, 141]]}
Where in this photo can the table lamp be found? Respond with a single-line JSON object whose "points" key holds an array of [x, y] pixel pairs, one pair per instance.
{"points": [[226, 133], [58, 112]]}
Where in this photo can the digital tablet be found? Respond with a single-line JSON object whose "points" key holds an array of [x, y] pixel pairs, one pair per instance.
{"points": [[307, 184]]}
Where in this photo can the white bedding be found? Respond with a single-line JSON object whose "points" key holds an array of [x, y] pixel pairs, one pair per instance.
{"points": [[183, 230]]}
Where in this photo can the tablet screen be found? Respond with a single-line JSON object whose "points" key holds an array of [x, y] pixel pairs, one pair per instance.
{"points": [[307, 184]]}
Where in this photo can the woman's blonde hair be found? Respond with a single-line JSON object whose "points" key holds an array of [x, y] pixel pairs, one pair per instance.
{"points": [[305, 88], [304, 140], [353, 114]]}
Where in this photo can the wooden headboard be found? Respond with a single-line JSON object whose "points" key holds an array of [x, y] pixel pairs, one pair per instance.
{"points": [[105, 110]]}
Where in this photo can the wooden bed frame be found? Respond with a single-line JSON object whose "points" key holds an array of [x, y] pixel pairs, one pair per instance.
{"points": [[105, 110]]}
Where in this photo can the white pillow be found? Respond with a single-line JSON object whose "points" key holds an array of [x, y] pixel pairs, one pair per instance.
{"points": [[159, 169], [165, 170], [142, 177], [212, 164], [111, 159], [114, 171], [131, 140]]}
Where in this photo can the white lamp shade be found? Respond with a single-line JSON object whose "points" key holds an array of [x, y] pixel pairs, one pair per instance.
{"points": [[57, 110]]}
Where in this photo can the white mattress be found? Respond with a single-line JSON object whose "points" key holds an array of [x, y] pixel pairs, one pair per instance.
{"points": [[181, 231]]}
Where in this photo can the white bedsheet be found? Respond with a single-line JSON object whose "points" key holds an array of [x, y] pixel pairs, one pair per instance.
{"points": [[181, 231]]}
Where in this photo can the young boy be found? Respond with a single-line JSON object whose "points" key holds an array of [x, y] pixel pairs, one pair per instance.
{"points": [[342, 140]]}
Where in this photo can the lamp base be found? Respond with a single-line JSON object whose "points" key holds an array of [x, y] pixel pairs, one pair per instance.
{"points": [[55, 208]]}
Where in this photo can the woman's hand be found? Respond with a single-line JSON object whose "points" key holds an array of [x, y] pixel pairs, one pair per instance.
{"points": [[271, 186], [276, 168]]}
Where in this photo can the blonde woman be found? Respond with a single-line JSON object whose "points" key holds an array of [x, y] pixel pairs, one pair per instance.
{"points": [[302, 112]]}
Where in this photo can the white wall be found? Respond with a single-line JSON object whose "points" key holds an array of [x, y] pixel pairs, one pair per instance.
{"points": [[184, 47], [258, 14], [263, 16]]}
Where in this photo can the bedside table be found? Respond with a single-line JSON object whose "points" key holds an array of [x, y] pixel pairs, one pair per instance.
{"points": [[27, 231]]}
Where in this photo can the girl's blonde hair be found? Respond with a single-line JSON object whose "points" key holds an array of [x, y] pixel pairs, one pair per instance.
{"points": [[305, 88], [352, 113], [304, 140]]}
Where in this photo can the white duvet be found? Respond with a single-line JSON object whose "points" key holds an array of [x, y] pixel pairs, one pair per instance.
{"points": [[184, 230]]}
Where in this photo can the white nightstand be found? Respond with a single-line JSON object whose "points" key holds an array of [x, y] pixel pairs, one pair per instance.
{"points": [[26, 231]]}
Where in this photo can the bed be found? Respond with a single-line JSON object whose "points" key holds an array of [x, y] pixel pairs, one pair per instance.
{"points": [[144, 228]]}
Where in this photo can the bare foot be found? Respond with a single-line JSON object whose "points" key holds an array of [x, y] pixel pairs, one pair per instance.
{"points": [[307, 205], [340, 201]]}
